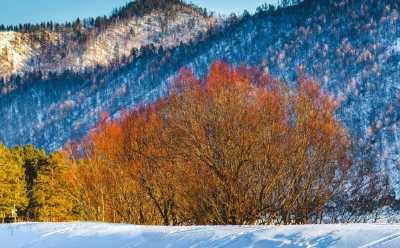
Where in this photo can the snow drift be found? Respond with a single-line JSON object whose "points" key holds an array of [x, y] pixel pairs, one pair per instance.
{"points": [[97, 235]]}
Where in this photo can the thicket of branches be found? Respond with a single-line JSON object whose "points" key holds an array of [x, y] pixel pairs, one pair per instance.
{"points": [[237, 147]]}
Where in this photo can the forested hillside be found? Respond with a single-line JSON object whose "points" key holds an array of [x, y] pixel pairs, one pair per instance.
{"points": [[51, 48], [235, 147]]}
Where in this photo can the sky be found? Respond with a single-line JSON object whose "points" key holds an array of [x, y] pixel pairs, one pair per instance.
{"points": [[13, 12]]}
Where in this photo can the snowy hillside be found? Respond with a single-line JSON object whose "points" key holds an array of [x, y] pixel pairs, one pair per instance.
{"points": [[96, 235], [85, 44]]}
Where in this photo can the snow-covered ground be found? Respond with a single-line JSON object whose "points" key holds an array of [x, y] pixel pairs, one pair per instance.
{"points": [[97, 235]]}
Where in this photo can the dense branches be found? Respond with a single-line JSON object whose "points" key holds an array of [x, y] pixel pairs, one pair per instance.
{"points": [[236, 148]]}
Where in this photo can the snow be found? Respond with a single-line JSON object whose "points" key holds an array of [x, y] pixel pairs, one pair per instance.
{"points": [[124, 36], [396, 46], [99, 235], [15, 52]]}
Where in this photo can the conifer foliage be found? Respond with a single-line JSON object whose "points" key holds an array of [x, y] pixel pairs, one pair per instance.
{"points": [[31, 186], [50, 192], [12, 184], [237, 147]]}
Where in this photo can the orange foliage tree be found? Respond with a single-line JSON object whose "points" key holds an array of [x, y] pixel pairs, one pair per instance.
{"points": [[238, 147]]}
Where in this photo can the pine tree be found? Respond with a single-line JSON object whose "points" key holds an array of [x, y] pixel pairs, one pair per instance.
{"points": [[32, 159], [50, 192], [13, 198]]}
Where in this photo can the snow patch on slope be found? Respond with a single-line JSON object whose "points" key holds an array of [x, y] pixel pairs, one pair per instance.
{"points": [[396, 46], [157, 29], [15, 52]]}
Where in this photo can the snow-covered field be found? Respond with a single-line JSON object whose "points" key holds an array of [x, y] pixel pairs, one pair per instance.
{"points": [[97, 235]]}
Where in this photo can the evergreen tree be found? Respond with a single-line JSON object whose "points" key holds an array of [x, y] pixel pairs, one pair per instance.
{"points": [[32, 159], [13, 198], [50, 193]]}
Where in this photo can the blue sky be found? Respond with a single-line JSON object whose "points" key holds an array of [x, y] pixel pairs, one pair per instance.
{"points": [[35, 11]]}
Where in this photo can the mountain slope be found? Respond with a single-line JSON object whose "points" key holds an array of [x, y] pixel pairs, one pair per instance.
{"points": [[82, 45]]}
